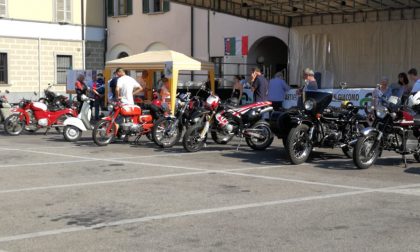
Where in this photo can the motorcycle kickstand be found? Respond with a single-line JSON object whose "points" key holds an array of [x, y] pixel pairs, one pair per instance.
{"points": [[405, 160], [137, 140], [46, 132], [239, 144]]}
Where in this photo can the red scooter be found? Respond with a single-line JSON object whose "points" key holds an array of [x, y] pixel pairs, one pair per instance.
{"points": [[31, 116]]}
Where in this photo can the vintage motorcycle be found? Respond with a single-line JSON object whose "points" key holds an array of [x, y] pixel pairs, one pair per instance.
{"points": [[124, 121], [55, 101], [31, 116], [394, 129], [317, 125], [225, 120], [167, 131], [4, 107]]}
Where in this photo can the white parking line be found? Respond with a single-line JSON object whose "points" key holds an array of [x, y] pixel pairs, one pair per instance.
{"points": [[186, 214], [47, 163]]}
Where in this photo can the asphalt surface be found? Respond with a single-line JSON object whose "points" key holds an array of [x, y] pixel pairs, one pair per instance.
{"points": [[60, 196]]}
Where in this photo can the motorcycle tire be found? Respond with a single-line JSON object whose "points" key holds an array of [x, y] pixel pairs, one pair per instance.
{"points": [[99, 135], [254, 143], [220, 138], [13, 126], [72, 133], [361, 147], [163, 124], [294, 141], [191, 140]]}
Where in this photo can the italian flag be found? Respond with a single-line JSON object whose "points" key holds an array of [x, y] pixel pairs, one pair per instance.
{"points": [[236, 46]]}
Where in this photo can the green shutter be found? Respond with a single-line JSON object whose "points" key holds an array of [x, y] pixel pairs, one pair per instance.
{"points": [[146, 6], [166, 5], [129, 7], [110, 8]]}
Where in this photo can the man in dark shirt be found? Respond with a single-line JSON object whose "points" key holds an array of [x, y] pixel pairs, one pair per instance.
{"points": [[259, 86], [113, 86]]}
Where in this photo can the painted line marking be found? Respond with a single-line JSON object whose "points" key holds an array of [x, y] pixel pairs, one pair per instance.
{"points": [[186, 214], [47, 163]]}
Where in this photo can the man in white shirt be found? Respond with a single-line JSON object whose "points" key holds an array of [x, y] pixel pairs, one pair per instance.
{"points": [[413, 75], [126, 87]]}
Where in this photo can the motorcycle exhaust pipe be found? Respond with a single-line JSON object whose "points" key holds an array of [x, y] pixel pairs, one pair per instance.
{"points": [[352, 142]]}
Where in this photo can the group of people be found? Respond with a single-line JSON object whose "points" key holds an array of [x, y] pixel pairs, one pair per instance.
{"points": [[401, 89], [263, 90], [94, 90]]}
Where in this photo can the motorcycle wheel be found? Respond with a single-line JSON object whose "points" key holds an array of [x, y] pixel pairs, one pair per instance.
{"points": [[261, 144], [100, 135], [13, 125], [191, 141], [160, 137], [299, 146], [71, 133], [221, 137], [363, 155]]}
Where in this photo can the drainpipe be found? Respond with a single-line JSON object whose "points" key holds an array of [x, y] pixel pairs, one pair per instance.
{"points": [[39, 67], [208, 32], [106, 31], [192, 38], [83, 35]]}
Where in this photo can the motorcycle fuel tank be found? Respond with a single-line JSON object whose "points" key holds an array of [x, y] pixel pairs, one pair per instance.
{"points": [[130, 110], [145, 118]]}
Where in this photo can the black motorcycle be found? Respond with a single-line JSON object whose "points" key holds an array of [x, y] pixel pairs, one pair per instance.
{"points": [[394, 129], [167, 131], [55, 101], [317, 125]]}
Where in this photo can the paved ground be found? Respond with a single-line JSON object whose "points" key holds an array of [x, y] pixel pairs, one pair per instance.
{"points": [[58, 196]]}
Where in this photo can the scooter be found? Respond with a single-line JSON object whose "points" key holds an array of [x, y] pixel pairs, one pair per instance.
{"points": [[4, 107], [74, 126]]}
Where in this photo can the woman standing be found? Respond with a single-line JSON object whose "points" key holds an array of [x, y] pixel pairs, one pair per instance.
{"points": [[81, 89], [237, 88], [404, 90]]}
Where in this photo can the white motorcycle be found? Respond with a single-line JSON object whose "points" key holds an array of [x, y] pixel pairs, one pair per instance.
{"points": [[74, 126]]}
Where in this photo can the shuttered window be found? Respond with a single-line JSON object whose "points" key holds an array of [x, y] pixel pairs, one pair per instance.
{"points": [[3, 8], [120, 8], [64, 63], [156, 6], [3, 68], [63, 11]]}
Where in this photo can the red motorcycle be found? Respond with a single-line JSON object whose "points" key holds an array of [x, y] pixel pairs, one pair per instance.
{"points": [[31, 116], [125, 121]]}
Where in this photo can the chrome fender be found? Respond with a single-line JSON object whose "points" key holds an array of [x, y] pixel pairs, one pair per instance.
{"points": [[76, 122], [369, 130]]}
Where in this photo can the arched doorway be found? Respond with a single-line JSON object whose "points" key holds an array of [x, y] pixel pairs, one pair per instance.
{"points": [[122, 55], [270, 54]]}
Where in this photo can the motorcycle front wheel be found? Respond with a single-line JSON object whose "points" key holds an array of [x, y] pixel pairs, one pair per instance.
{"points": [[366, 151], [13, 125], [192, 141], [299, 146], [72, 133], [161, 135], [261, 143], [101, 136]]}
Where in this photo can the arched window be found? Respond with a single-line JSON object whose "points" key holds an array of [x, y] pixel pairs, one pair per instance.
{"points": [[122, 55]]}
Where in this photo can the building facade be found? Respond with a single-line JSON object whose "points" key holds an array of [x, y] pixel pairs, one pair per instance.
{"points": [[136, 26], [41, 39]]}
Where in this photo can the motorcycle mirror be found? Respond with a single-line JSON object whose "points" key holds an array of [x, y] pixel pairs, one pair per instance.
{"points": [[343, 85]]}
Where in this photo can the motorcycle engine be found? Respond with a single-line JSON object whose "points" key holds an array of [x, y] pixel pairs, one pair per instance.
{"points": [[130, 127], [332, 134]]}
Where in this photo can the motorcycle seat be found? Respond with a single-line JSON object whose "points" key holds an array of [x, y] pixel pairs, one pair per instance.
{"points": [[417, 120]]}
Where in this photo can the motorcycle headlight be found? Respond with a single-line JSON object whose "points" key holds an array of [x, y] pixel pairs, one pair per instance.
{"points": [[381, 113], [110, 107], [21, 104], [309, 104]]}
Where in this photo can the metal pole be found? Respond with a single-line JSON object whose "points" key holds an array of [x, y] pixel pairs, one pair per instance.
{"points": [[83, 35], [39, 67]]}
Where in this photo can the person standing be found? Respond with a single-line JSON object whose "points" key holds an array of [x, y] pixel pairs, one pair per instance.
{"points": [[97, 93], [413, 75], [112, 86], [127, 87], [237, 88], [403, 90], [259, 86], [381, 92], [81, 89], [277, 89], [310, 84]]}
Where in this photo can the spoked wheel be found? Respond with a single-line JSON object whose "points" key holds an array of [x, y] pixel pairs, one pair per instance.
{"points": [[265, 138], [366, 151], [220, 137], [13, 125], [72, 133], [192, 141], [103, 133], [163, 133], [299, 147]]}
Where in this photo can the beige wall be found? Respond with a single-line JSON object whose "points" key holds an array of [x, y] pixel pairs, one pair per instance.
{"points": [[44, 11], [23, 62]]}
